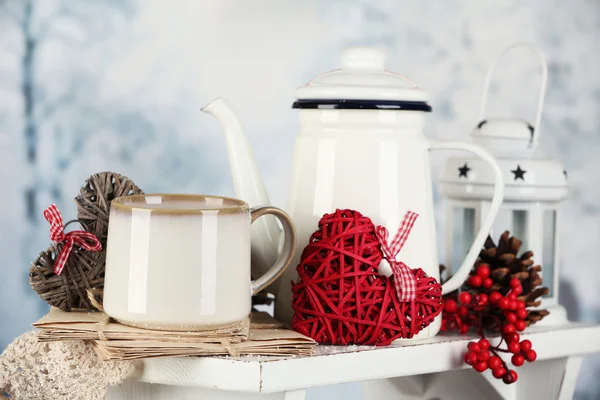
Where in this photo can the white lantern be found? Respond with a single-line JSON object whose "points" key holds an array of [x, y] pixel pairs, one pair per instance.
{"points": [[534, 189]]}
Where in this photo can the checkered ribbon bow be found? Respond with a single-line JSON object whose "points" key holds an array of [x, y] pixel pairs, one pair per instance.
{"points": [[85, 240], [406, 285]]}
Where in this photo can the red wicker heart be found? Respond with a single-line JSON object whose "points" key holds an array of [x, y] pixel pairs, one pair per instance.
{"points": [[341, 299]]}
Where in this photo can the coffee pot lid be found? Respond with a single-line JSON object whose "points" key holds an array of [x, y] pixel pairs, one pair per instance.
{"points": [[362, 83]]}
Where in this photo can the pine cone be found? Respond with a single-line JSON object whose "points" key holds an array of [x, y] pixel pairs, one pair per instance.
{"points": [[504, 264]]}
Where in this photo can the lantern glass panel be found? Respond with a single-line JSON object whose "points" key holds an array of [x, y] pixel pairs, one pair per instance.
{"points": [[502, 223], [549, 243], [514, 221], [519, 228], [463, 234]]}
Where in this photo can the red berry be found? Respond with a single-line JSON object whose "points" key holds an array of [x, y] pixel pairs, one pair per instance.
{"points": [[474, 347], [494, 297], [475, 281], [515, 282], [510, 377], [462, 311], [499, 372], [508, 328], [511, 317], [503, 303], [525, 346], [470, 357], [451, 325], [521, 304], [518, 360], [513, 305], [483, 299], [464, 298], [517, 290], [512, 296], [514, 347], [480, 366], [483, 271], [531, 355], [520, 325], [512, 337], [494, 363], [484, 344], [487, 283], [464, 329], [483, 355], [521, 313], [450, 306]]}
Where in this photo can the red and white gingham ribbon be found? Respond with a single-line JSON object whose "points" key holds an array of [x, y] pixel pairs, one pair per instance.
{"points": [[85, 240], [406, 285]]}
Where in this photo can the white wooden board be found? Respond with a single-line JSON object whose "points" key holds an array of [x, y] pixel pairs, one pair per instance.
{"points": [[335, 365]]}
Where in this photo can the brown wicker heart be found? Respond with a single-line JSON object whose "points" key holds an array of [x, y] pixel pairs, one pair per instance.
{"points": [[84, 269], [93, 201], [67, 291]]}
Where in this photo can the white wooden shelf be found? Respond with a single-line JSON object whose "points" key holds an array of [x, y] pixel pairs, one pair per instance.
{"points": [[334, 364]]}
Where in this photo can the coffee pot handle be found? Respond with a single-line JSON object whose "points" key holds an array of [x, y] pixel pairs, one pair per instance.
{"points": [[289, 246], [461, 275]]}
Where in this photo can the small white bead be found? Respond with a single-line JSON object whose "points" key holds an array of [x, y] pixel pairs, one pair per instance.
{"points": [[384, 268]]}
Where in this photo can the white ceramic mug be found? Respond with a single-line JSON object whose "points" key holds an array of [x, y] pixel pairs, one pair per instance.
{"points": [[182, 262]]}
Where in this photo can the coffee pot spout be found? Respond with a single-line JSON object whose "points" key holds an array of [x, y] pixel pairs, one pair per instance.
{"points": [[248, 184]]}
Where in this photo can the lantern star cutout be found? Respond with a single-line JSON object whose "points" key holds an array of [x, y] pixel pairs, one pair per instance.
{"points": [[519, 173], [463, 171]]}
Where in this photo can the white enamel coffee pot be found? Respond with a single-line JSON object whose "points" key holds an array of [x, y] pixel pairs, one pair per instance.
{"points": [[361, 146]]}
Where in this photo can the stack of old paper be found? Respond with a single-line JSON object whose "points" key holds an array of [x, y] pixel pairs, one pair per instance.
{"points": [[258, 335]]}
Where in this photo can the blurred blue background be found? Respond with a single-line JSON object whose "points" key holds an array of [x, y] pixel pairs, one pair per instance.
{"points": [[93, 85]]}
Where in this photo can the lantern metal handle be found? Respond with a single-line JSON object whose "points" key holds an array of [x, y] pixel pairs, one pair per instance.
{"points": [[543, 69]]}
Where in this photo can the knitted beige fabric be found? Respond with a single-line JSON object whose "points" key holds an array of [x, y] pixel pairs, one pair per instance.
{"points": [[58, 370]]}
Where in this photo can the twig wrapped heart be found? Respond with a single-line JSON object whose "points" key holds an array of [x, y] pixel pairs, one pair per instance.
{"points": [[63, 277], [340, 297]]}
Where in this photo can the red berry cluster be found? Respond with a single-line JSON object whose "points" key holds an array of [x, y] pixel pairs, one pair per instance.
{"points": [[481, 355], [508, 315]]}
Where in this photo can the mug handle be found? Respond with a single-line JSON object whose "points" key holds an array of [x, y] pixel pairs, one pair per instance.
{"points": [[462, 273], [289, 246]]}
